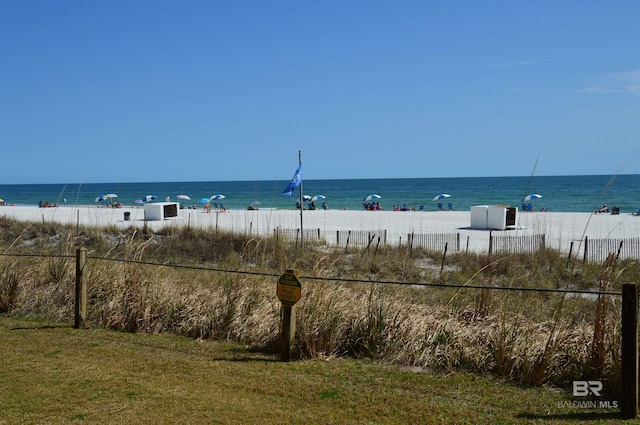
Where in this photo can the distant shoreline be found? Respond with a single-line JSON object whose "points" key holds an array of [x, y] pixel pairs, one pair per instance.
{"points": [[569, 194]]}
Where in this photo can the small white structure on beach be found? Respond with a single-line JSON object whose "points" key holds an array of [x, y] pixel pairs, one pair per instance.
{"points": [[479, 216], [494, 217], [161, 210]]}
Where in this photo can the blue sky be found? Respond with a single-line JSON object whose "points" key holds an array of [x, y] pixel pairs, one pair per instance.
{"points": [[135, 91]]}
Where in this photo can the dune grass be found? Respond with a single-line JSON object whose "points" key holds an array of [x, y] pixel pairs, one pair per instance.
{"points": [[526, 337]]}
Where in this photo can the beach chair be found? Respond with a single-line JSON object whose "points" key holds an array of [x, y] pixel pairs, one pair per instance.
{"points": [[222, 207], [421, 208], [440, 206], [450, 206]]}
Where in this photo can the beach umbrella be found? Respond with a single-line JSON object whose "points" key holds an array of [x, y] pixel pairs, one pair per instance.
{"points": [[255, 202], [204, 200], [306, 198], [149, 198], [184, 197], [101, 198], [372, 197], [317, 197], [441, 196], [139, 201], [532, 196], [110, 195], [218, 196]]}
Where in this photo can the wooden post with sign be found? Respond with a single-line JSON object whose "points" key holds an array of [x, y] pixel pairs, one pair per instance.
{"points": [[629, 385], [288, 291]]}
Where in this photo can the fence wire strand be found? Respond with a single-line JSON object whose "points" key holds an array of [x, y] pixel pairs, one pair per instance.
{"points": [[327, 279]]}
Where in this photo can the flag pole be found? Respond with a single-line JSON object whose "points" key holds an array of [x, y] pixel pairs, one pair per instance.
{"points": [[301, 204]]}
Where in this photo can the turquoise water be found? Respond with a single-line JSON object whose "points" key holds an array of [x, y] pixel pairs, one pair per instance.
{"points": [[559, 193]]}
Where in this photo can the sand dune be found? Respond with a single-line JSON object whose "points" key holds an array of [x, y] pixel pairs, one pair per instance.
{"points": [[560, 228]]}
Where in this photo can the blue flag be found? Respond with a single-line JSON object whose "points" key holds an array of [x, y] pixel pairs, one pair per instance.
{"points": [[295, 182]]}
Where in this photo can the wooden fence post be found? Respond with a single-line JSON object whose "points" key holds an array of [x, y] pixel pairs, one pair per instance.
{"points": [[629, 387], [81, 289], [586, 249], [376, 250], [444, 256]]}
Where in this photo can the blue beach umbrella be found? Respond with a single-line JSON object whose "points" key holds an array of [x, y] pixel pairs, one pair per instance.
{"points": [[372, 197], [101, 198], [317, 197], [149, 198], [441, 196], [204, 200], [139, 201], [532, 196], [218, 196]]}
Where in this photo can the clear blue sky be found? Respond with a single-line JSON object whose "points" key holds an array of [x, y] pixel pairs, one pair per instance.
{"points": [[135, 91]]}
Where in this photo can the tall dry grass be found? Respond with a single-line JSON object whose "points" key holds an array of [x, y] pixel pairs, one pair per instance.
{"points": [[533, 338]]}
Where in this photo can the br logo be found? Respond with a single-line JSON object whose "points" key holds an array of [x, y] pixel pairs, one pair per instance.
{"points": [[585, 388]]}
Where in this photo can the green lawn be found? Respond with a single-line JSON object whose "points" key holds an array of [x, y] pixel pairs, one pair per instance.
{"points": [[54, 374]]}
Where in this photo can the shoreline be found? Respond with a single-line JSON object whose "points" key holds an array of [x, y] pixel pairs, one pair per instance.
{"points": [[559, 193], [560, 228]]}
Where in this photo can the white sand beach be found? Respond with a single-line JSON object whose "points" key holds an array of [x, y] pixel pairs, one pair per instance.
{"points": [[560, 228]]}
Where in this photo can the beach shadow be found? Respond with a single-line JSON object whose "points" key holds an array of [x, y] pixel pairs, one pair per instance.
{"points": [[510, 228], [474, 229], [246, 359], [36, 327]]}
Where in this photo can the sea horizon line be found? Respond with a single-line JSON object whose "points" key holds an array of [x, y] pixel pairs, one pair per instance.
{"points": [[319, 179]]}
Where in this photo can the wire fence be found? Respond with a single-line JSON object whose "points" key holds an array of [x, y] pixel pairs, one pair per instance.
{"points": [[629, 314], [329, 279]]}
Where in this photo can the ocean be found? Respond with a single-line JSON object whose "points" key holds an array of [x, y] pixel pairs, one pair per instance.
{"points": [[559, 193]]}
